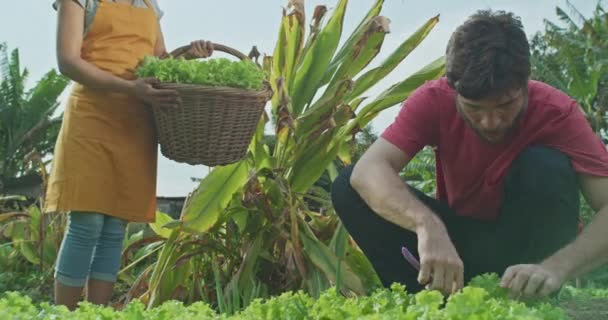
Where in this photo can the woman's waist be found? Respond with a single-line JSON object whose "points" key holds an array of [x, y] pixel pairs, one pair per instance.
{"points": [[112, 104], [120, 65], [95, 94]]}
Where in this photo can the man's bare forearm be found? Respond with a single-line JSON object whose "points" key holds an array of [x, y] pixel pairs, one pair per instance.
{"points": [[386, 194], [587, 252]]}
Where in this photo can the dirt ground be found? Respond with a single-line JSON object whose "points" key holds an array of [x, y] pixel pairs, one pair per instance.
{"points": [[593, 309]]}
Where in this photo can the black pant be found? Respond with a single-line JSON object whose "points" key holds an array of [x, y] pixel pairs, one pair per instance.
{"points": [[538, 216]]}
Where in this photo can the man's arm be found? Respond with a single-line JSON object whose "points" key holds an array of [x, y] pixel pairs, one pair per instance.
{"points": [[587, 252], [590, 249], [376, 178]]}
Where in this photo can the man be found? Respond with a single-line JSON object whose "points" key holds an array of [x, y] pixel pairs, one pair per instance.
{"points": [[512, 156]]}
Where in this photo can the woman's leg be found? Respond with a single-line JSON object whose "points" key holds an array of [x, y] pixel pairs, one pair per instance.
{"points": [[75, 254], [106, 261]]}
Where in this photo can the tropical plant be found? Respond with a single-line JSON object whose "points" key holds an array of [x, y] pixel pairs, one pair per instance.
{"points": [[35, 236], [482, 301], [248, 229], [573, 57], [27, 121], [420, 172]]}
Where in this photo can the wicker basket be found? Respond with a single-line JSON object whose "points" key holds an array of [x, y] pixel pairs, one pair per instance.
{"points": [[213, 125]]}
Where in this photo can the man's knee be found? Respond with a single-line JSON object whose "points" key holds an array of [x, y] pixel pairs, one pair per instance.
{"points": [[342, 193], [542, 170]]}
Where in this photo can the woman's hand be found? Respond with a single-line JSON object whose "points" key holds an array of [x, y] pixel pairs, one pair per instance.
{"points": [[144, 90], [199, 49]]}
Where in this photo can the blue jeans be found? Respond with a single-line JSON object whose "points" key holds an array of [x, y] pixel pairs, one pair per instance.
{"points": [[91, 249]]}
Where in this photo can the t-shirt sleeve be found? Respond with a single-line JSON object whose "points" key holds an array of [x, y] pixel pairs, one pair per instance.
{"points": [[157, 10], [574, 137], [417, 124], [56, 3]]}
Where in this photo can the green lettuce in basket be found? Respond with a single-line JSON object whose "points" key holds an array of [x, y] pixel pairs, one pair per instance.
{"points": [[218, 72]]}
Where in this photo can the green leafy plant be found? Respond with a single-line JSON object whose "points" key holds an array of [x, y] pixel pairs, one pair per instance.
{"points": [[27, 121], [394, 303], [572, 55], [219, 72], [254, 218], [420, 172]]}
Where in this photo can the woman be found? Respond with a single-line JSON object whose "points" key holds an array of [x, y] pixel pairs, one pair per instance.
{"points": [[104, 169]]}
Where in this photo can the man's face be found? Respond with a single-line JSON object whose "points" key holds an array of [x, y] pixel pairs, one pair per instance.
{"points": [[494, 118]]}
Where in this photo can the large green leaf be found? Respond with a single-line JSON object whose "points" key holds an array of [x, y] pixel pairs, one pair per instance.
{"points": [[316, 282], [318, 19], [323, 257], [311, 162], [28, 250], [316, 60], [396, 94], [49, 251], [213, 195], [294, 34], [35, 222], [162, 269], [371, 77], [349, 44], [362, 53], [43, 97], [332, 171], [240, 216], [338, 244], [278, 65], [176, 277], [284, 125], [158, 225], [363, 268], [345, 152], [339, 241], [258, 147], [316, 118], [16, 230], [5, 217], [25, 116], [401, 90], [246, 274]]}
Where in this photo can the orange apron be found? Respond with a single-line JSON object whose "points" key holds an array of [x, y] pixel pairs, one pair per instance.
{"points": [[106, 155]]}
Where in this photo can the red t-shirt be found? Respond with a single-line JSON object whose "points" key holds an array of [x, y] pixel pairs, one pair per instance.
{"points": [[470, 172]]}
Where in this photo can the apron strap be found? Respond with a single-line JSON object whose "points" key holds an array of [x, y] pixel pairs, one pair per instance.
{"points": [[132, 1], [148, 4]]}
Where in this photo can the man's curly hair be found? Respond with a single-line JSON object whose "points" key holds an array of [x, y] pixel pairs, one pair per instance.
{"points": [[488, 54]]}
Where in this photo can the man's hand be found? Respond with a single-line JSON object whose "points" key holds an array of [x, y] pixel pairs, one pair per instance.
{"points": [[144, 90], [440, 265], [532, 280]]}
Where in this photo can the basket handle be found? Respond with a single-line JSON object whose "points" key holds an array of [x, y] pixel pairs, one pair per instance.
{"points": [[181, 51]]}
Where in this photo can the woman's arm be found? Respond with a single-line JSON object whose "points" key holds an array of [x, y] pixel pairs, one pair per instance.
{"points": [[69, 44], [160, 50]]}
